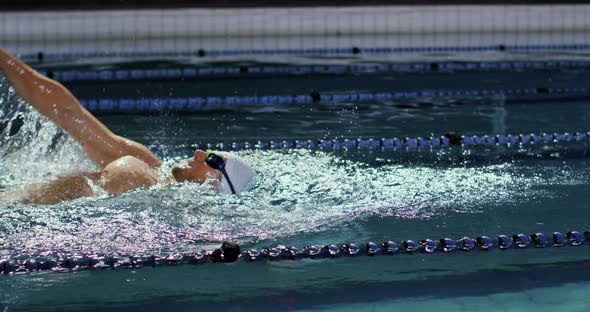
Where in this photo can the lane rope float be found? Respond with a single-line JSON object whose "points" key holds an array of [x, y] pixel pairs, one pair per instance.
{"points": [[42, 56], [274, 70], [195, 104], [390, 144], [79, 262]]}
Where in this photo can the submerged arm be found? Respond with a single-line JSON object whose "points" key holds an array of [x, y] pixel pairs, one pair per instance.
{"points": [[56, 102]]}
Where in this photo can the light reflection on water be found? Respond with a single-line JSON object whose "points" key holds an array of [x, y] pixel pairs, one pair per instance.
{"points": [[301, 197], [296, 192]]}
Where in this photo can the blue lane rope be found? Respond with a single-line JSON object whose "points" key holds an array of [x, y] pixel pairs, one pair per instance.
{"points": [[79, 262], [303, 51], [191, 104], [390, 144], [208, 72]]}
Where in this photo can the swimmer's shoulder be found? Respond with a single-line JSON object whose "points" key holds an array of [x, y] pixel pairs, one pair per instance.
{"points": [[125, 174]]}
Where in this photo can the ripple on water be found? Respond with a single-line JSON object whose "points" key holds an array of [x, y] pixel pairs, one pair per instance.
{"points": [[295, 192]]}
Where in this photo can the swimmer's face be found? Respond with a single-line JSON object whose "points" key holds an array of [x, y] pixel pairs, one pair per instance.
{"points": [[196, 171]]}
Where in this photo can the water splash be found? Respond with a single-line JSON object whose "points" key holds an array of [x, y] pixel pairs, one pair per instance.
{"points": [[296, 192], [39, 149]]}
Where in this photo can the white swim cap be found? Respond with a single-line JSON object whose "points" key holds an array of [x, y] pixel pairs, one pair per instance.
{"points": [[240, 174]]}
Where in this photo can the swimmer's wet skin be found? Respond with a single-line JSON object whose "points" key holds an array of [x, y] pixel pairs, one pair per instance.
{"points": [[125, 165]]}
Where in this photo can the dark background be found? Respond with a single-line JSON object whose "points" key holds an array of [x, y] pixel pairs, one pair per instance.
{"points": [[27, 5]]}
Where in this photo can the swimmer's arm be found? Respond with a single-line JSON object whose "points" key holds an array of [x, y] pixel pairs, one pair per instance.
{"points": [[56, 102], [64, 188]]}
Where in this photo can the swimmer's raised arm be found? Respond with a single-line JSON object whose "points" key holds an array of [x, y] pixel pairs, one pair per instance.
{"points": [[56, 102]]}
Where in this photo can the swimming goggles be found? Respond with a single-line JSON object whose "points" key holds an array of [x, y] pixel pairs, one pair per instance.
{"points": [[218, 163]]}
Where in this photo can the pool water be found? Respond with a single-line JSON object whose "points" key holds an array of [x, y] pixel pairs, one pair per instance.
{"points": [[306, 197]]}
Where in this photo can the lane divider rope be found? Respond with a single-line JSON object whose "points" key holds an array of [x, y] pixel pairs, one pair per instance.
{"points": [[39, 56], [389, 144], [79, 262], [188, 104], [207, 72]]}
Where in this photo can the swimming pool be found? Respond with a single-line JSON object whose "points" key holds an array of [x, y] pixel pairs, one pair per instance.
{"points": [[318, 197]]}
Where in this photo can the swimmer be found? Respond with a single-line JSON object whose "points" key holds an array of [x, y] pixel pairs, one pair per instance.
{"points": [[125, 165]]}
